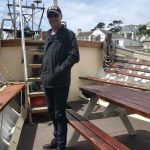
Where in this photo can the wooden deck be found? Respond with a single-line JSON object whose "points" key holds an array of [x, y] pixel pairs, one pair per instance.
{"points": [[42, 131]]}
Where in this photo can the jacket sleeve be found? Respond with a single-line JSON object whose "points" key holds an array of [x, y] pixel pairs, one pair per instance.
{"points": [[72, 57]]}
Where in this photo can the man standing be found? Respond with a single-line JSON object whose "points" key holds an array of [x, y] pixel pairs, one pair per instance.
{"points": [[60, 54]]}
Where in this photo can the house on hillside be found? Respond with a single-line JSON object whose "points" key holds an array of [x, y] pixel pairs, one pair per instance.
{"points": [[146, 45], [84, 36], [129, 31], [121, 41], [98, 35], [148, 26]]}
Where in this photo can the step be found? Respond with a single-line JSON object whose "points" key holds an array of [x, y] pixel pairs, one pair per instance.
{"points": [[34, 65], [37, 94], [39, 109], [34, 79], [35, 52]]}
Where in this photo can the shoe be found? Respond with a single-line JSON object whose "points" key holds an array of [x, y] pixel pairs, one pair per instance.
{"points": [[51, 145]]}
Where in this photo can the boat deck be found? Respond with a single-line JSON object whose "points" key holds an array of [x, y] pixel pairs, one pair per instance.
{"points": [[34, 136]]}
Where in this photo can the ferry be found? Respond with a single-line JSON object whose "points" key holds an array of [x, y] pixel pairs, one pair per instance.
{"points": [[24, 121]]}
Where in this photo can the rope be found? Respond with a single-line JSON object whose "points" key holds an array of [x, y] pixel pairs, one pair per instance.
{"points": [[108, 54]]}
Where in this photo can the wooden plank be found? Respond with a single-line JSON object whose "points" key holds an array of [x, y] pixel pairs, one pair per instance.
{"points": [[130, 68], [108, 139], [39, 110], [10, 42], [9, 93], [89, 44], [129, 96], [144, 63], [35, 52], [127, 74], [139, 63], [34, 79], [99, 143], [129, 106], [34, 65], [120, 83], [31, 42], [36, 94]]}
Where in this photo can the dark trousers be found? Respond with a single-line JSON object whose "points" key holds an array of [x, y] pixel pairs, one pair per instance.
{"points": [[56, 100]]}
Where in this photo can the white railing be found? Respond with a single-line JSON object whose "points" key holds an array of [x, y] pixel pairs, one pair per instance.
{"points": [[133, 53], [23, 42]]}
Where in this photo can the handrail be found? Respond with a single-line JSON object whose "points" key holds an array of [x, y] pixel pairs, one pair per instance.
{"points": [[132, 53], [23, 42]]}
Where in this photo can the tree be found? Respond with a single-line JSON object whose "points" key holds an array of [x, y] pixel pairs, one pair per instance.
{"points": [[100, 25], [115, 26], [143, 31]]}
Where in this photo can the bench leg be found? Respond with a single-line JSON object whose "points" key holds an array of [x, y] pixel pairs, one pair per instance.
{"points": [[109, 111], [75, 136], [73, 140], [123, 116], [90, 107]]}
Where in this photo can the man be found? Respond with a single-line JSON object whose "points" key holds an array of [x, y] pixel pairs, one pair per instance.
{"points": [[60, 54]]}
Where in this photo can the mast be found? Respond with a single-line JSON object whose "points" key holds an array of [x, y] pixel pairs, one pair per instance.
{"points": [[55, 2]]}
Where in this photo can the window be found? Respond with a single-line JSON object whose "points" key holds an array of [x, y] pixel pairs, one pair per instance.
{"points": [[116, 42]]}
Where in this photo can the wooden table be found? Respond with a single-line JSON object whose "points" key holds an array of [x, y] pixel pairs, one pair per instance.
{"points": [[121, 99], [8, 93]]}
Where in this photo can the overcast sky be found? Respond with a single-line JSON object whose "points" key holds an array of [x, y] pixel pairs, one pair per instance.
{"points": [[85, 14]]}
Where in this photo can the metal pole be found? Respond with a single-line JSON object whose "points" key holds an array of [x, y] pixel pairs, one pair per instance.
{"points": [[23, 42], [32, 16], [55, 2], [14, 18], [41, 18]]}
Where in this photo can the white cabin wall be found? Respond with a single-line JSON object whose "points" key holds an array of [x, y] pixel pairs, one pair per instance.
{"points": [[89, 65], [10, 60]]}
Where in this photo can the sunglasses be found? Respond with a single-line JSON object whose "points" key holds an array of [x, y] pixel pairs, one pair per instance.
{"points": [[52, 15]]}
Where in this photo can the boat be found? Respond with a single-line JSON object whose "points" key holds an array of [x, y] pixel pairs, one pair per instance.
{"points": [[21, 51]]}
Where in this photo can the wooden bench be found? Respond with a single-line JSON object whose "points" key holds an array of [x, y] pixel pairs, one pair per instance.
{"points": [[144, 63], [121, 66], [7, 95], [120, 83], [12, 114], [120, 69], [138, 63], [98, 138], [113, 70]]}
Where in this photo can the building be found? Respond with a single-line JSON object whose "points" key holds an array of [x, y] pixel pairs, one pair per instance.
{"points": [[95, 35], [121, 41], [99, 35], [146, 45], [148, 26], [129, 31], [84, 36]]}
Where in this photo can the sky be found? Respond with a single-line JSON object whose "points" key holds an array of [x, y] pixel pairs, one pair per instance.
{"points": [[86, 14]]}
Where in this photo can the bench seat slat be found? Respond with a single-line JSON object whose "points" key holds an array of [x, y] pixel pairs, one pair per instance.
{"points": [[130, 68], [127, 74], [139, 63], [106, 139], [134, 62], [88, 134]]}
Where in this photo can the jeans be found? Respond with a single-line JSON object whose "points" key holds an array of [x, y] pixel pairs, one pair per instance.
{"points": [[56, 101]]}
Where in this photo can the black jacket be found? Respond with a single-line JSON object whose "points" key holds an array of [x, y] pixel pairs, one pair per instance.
{"points": [[60, 54]]}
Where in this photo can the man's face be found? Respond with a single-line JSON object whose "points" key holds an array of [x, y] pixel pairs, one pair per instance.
{"points": [[54, 19]]}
